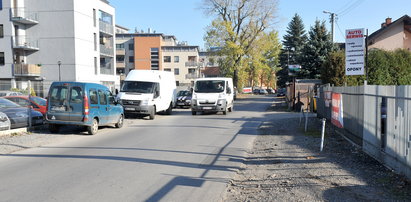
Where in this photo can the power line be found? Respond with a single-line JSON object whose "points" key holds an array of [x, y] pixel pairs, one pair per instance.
{"points": [[353, 6], [338, 26], [345, 6]]}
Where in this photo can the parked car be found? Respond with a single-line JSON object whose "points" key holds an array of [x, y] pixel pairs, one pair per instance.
{"points": [[262, 92], [270, 91], [9, 93], [4, 122], [281, 93], [256, 91], [18, 115], [37, 103], [184, 98], [83, 104]]}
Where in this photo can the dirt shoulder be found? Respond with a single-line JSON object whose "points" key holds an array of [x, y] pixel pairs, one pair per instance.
{"points": [[285, 165]]}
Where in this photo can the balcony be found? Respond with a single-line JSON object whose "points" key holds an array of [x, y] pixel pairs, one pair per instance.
{"points": [[120, 51], [121, 65], [194, 64], [106, 28], [21, 15], [106, 69], [27, 70], [192, 76], [106, 51], [22, 42]]}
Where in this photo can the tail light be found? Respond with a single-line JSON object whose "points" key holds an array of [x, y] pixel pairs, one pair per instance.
{"points": [[86, 105]]}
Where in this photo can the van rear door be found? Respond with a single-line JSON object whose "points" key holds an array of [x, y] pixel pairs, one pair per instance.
{"points": [[76, 103], [58, 103]]}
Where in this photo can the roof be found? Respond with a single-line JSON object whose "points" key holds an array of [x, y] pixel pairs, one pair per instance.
{"points": [[211, 71], [406, 19]]}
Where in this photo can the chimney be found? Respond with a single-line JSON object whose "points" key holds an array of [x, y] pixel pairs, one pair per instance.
{"points": [[383, 25], [388, 21]]}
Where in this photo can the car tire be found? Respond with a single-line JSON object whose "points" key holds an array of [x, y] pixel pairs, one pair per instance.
{"points": [[54, 128], [153, 113], [225, 111], [231, 108], [193, 113], [120, 121], [170, 109], [93, 129]]}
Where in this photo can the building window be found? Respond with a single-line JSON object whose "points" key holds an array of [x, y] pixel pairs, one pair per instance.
{"points": [[131, 59], [120, 46], [94, 18], [130, 46], [167, 69], [176, 71], [95, 41], [176, 59], [1, 4], [1, 31], [95, 66], [191, 71], [177, 83], [167, 58], [120, 58]]}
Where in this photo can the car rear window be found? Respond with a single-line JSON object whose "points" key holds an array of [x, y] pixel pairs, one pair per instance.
{"points": [[39, 101], [58, 95], [76, 95]]}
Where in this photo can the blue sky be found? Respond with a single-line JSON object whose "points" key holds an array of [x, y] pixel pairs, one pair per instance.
{"points": [[185, 20]]}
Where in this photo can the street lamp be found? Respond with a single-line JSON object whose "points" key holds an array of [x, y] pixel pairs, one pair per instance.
{"points": [[59, 63]]}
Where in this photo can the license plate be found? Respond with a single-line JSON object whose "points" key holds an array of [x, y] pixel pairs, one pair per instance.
{"points": [[207, 108], [130, 109], [180, 103], [55, 108]]}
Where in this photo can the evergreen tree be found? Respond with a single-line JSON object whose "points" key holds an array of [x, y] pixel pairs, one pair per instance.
{"points": [[293, 43], [316, 51]]}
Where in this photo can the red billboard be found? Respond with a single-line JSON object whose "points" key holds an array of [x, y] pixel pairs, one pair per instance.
{"points": [[337, 110]]}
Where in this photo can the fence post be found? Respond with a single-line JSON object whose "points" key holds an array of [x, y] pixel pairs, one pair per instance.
{"points": [[322, 135], [29, 107]]}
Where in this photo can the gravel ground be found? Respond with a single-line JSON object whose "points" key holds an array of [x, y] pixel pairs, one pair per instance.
{"points": [[285, 165]]}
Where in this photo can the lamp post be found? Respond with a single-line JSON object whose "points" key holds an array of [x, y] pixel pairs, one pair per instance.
{"points": [[59, 63]]}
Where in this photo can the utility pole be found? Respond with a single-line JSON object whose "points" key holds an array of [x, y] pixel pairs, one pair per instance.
{"points": [[332, 20]]}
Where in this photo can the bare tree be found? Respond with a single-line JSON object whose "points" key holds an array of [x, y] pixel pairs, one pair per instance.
{"points": [[237, 26]]}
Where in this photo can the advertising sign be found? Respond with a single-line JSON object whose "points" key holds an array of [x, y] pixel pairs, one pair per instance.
{"points": [[354, 52], [337, 110]]}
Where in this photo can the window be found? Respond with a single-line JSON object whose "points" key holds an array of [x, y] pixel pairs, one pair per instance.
{"points": [[1, 31], [1, 4], [131, 59], [120, 46], [76, 95], [167, 58], [95, 65], [93, 97], [105, 17], [120, 58], [176, 71], [130, 46], [95, 41], [167, 69], [103, 97], [94, 17], [176, 59], [177, 83], [1, 58]]}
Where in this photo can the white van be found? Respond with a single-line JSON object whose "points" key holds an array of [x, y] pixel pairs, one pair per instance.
{"points": [[146, 92], [213, 94]]}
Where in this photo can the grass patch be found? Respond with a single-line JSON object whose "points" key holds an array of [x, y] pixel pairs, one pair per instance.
{"points": [[311, 132]]}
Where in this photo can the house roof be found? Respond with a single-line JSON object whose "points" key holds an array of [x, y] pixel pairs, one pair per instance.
{"points": [[211, 71], [407, 22]]}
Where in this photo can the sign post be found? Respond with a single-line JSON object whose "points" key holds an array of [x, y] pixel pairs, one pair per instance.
{"points": [[354, 51]]}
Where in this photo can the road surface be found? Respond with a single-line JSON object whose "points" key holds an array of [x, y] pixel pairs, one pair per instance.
{"points": [[172, 158]]}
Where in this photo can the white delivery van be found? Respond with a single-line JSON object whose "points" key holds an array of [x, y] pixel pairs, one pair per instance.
{"points": [[146, 92], [213, 94]]}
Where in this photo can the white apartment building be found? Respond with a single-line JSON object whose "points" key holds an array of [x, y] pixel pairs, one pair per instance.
{"points": [[49, 40]]}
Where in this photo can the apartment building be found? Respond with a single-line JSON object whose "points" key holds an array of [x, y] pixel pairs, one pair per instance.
{"points": [[48, 40], [156, 51]]}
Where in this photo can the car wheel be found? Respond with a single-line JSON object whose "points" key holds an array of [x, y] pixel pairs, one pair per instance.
{"points": [[54, 128], [193, 112], [231, 108], [153, 113], [170, 109], [120, 121], [225, 111], [92, 130]]}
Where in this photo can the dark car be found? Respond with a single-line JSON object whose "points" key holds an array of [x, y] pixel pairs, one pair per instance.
{"points": [[18, 115], [184, 98]]}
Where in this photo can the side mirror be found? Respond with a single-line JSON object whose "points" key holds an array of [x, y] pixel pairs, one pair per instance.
{"points": [[228, 90], [156, 94]]}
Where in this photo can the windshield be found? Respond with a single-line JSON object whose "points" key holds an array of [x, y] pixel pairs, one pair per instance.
{"points": [[184, 93], [212, 86], [4, 103], [38, 100], [138, 87]]}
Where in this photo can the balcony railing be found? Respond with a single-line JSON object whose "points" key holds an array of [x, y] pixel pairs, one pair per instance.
{"points": [[120, 64], [108, 51], [120, 51], [192, 76], [193, 64], [23, 42], [106, 28], [27, 70], [23, 16], [106, 69]]}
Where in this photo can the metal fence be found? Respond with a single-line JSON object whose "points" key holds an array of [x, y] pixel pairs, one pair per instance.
{"points": [[376, 117]]}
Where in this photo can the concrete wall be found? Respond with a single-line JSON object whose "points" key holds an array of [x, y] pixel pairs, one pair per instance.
{"points": [[5, 42]]}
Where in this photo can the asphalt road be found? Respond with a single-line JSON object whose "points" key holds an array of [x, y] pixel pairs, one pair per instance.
{"points": [[172, 158]]}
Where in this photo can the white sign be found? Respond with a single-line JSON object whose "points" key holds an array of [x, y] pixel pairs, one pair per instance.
{"points": [[354, 52]]}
